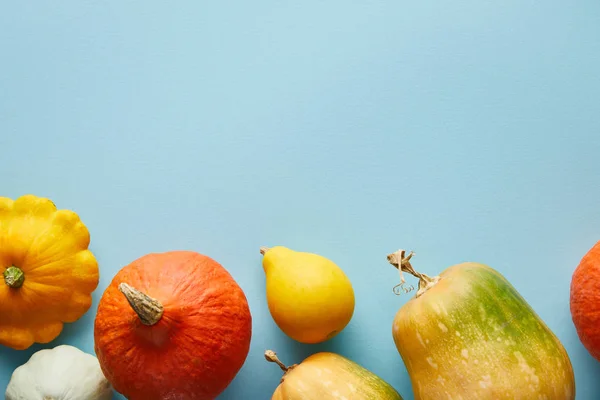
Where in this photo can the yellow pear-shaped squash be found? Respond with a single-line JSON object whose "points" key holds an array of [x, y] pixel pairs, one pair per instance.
{"points": [[329, 376], [48, 273], [310, 298]]}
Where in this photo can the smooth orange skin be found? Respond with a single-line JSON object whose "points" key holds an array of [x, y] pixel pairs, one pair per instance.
{"points": [[199, 344], [585, 300], [50, 246]]}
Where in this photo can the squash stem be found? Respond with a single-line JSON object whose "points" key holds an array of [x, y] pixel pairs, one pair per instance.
{"points": [[149, 310], [14, 277], [272, 357], [401, 261], [263, 250]]}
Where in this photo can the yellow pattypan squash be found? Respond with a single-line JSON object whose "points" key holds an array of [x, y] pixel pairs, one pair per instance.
{"points": [[48, 273]]}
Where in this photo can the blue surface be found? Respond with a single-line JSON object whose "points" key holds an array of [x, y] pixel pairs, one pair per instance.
{"points": [[463, 130]]}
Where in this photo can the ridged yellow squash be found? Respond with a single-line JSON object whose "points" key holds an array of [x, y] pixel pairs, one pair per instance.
{"points": [[468, 334], [330, 376], [310, 298], [47, 272]]}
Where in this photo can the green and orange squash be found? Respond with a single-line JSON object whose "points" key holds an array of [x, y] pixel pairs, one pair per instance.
{"points": [[468, 334], [329, 376]]}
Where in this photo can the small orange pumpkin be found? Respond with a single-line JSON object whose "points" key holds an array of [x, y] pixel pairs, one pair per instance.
{"points": [[585, 300], [172, 325]]}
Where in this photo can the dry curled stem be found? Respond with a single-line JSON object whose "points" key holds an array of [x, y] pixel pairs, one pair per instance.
{"points": [[401, 261]]}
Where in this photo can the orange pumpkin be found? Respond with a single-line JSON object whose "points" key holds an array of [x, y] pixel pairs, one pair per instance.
{"points": [[172, 325], [585, 300]]}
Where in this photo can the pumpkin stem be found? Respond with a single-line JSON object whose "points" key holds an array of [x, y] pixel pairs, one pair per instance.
{"points": [[263, 250], [14, 277], [272, 357], [402, 263], [148, 309]]}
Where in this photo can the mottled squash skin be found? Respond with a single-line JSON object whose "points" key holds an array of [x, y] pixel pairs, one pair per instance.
{"points": [[585, 301], [471, 336], [329, 376]]}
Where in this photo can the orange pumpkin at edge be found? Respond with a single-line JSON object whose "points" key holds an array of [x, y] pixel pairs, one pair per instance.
{"points": [[585, 300], [172, 325]]}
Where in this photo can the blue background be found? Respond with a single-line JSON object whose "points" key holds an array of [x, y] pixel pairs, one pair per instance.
{"points": [[463, 130]]}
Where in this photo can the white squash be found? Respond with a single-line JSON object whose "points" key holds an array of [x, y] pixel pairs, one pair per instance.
{"points": [[61, 373]]}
